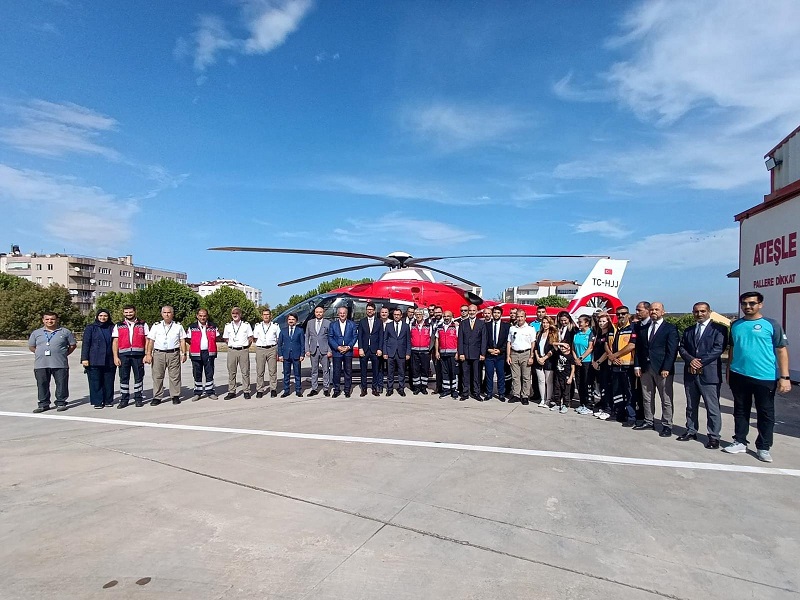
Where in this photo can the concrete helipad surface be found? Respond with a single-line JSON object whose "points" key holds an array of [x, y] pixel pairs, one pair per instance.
{"points": [[413, 497]]}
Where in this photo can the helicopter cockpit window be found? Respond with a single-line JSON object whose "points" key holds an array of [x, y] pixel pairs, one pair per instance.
{"points": [[359, 310], [332, 309]]}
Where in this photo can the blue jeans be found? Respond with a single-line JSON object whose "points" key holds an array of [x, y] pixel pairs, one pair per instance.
{"points": [[496, 364]]}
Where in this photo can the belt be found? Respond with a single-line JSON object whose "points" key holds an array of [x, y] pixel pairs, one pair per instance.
{"points": [[168, 351], [269, 346], [238, 347], [520, 351]]}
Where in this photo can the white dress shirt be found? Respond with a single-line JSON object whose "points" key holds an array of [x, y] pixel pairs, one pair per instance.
{"points": [[266, 335], [521, 338], [130, 325], [237, 335], [166, 337]]}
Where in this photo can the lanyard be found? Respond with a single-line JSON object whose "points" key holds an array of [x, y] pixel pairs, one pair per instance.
{"points": [[235, 328], [50, 335], [166, 329]]}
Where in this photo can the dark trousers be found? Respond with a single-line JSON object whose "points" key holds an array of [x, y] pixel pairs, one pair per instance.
{"points": [[420, 368], [496, 364], [374, 366], [583, 376], [437, 367], [397, 364], [131, 361], [101, 385], [747, 390], [342, 364], [709, 392], [449, 374], [621, 394], [471, 377], [293, 364], [603, 378], [43, 385], [203, 365], [638, 399], [383, 369]]}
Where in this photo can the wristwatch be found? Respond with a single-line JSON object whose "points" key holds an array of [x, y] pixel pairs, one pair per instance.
{"points": [[786, 377]]}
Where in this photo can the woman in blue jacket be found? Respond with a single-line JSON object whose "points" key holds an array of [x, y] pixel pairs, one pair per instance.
{"points": [[98, 360]]}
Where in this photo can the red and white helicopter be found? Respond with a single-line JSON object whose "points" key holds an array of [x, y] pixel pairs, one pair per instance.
{"points": [[409, 282]]}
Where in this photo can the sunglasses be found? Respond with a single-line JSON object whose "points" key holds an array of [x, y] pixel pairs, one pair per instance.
{"points": [[749, 303], [622, 314]]}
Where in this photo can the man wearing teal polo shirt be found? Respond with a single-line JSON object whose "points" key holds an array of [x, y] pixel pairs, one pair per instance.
{"points": [[758, 363]]}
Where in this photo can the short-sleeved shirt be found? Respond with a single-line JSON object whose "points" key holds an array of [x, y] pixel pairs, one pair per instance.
{"points": [[238, 336], [580, 343], [600, 345], [267, 335], [521, 338], [536, 324], [51, 348], [130, 325], [166, 337], [755, 341]]}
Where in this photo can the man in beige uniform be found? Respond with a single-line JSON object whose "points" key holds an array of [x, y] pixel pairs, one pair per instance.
{"points": [[166, 350], [238, 335], [266, 335]]}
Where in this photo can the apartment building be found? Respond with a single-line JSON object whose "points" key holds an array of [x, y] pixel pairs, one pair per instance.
{"points": [[209, 287], [85, 277], [530, 293]]}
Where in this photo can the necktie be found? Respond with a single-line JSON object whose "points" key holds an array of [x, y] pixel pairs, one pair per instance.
{"points": [[652, 332], [472, 323], [397, 329], [698, 333], [318, 323], [291, 332], [495, 334]]}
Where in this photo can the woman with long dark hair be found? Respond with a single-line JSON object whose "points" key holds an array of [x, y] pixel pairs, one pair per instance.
{"points": [[544, 363], [601, 367], [98, 360]]}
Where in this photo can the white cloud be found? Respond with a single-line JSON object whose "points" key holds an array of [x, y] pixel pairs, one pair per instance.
{"points": [[67, 210], [611, 229], [268, 22], [688, 249], [52, 129], [386, 187], [566, 90], [711, 79], [455, 127], [415, 232]]}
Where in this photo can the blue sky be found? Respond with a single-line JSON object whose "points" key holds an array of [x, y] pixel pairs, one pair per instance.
{"points": [[634, 129]]}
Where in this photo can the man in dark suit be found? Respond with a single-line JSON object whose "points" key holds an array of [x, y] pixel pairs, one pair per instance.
{"points": [[397, 349], [640, 327], [291, 351], [701, 348], [496, 341], [471, 352], [370, 340], [342, 337], [656, 369]]}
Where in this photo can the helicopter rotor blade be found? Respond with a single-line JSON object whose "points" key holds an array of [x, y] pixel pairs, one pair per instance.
{"points": [[467, 281], [416, 261], [389, 262], [334, 272]]}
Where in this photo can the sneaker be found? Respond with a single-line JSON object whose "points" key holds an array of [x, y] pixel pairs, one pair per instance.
{"points": [[735, 448], [196, 397], [554, 407], [213, 396], [543, 404], [764, 455], [603, 416], [563, 409]]}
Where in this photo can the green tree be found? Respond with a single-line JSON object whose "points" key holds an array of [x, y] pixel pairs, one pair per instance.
{"points": [[114, 301], [219, 305], [553, 300], [682, 322], [322, 288], [149, 301], [23, 302]]}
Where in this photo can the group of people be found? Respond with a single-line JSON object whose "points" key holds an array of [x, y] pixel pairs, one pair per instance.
{"points": [[617, 365]]}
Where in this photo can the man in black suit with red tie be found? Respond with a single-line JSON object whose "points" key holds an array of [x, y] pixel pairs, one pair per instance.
{"points": [[471, 352], [701, 348]]}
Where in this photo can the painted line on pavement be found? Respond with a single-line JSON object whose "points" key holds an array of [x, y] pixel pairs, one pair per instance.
{"points": [[616, 460], [15, 353]]}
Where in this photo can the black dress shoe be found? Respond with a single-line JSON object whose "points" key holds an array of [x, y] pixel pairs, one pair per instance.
{"points": [[41, 409], [98, 406], [443, 395], [230, 396], [326, 393], [347, 394], [259, 394], [122, 404], [155, 402], [363, 393], [247, 396], [462, 398], [712, 444], [525, 401], [61, 408], [138, 404], [300, 394], [685, 437], [415, 392], [285, 394], [641, 426], [665, 432], [313, 392], [629, 423], [390, 392], [273, 394], [176, 400], [423, 391], [336, 394], [401, 391], [375, 392]]}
